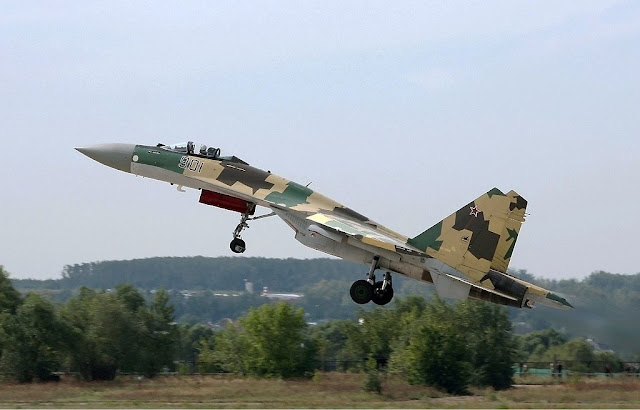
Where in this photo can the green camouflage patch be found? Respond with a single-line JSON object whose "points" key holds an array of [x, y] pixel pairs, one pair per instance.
{"points": [[513, 235], [428, 238], [295, 194], [157, 157], [495, 191]]}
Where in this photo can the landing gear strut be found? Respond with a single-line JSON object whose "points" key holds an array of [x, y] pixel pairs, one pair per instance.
{"points": [[383, 291], [237, 245], [364, 291]]}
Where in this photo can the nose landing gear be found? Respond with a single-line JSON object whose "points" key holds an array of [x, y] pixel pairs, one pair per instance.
{"points": [[364, 291], [237, 245]]}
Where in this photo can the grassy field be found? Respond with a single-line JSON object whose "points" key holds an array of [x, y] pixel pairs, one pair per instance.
{"points": [[333, 390]]}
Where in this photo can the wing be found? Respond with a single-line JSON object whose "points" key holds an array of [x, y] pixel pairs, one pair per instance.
{"points": [[367, 232]]}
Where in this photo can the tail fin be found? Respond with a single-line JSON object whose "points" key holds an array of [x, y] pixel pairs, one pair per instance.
{"points": [[478, 237]]}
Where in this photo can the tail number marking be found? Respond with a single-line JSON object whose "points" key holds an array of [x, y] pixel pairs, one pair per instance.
{"points": [[192, 164]]}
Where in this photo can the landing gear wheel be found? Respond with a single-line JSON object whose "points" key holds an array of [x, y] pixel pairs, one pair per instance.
{"points": [[380, 296], [237, 245], [361, 292]]}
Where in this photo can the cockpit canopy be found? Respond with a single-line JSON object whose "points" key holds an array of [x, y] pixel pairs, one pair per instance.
{"points": [[193, 148], [199, 150]]}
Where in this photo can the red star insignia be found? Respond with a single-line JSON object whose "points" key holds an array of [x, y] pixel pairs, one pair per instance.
{"points": [[474, 211]]}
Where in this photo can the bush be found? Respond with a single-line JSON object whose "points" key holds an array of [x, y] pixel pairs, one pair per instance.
{"points": [[372, 381]]}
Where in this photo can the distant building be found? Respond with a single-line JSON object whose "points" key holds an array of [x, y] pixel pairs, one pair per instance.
{"points": [[220, 324], [280, 296], [248, 286], [599, 347]]}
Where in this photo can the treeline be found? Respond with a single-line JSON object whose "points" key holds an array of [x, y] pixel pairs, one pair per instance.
{"points": [[605, 303], [99, 334], [606, 306], [95, 333], [196, 273], [450, 347]]}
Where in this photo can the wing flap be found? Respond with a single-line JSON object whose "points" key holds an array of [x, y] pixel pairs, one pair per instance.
{"points": [[364, 233]]}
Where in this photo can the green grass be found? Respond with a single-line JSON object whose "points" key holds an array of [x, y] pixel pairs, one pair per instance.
{"points": [[326, 390]]}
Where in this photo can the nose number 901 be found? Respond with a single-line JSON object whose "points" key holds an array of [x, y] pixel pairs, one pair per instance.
{"points": [[192, 164]]}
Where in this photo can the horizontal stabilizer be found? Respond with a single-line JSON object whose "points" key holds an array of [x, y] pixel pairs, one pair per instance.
{"points": [[551, 300]]}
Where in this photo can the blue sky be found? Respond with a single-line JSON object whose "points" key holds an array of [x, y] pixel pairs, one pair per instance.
{"points": [[403, 111]]}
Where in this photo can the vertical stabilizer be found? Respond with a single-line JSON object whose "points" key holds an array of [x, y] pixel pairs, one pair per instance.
{"points": [[478, 237], [509, 235]]}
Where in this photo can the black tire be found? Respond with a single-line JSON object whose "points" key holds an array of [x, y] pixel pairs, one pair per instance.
{"points": [[237, 245], [361, 292], [381, 297]]}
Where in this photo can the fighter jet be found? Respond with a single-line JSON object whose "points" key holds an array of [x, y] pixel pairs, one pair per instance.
{"points": [[465, 255]]}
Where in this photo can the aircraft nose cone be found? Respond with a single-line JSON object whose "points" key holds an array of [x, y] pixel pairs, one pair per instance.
{"points": [[116, 156]]}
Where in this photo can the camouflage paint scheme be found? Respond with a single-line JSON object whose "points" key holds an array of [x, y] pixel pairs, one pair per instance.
{"points": [[465, 255]]}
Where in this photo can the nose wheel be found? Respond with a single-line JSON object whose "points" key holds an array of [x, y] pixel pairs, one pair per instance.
{"points": [[237, 245]]}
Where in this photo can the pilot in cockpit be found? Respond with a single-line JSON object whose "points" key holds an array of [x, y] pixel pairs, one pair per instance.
{"points": [[213, 152]]}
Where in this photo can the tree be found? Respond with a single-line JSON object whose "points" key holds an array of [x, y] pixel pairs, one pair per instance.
{"points": [[577, 355], [190, 342], [541, 340], [269, 341], [159, 335], [608, 358], [229, 350], [432, 351], [493, 347], [33, 340], [9, 302], [130, 297], [117, 331], [451, 347], [9, 296], [327, 299], [374, 334], [372, 382], [104, 335], [330, 339]]}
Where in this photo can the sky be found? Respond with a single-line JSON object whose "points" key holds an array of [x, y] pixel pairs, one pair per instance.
{"points": [[403, 111]]}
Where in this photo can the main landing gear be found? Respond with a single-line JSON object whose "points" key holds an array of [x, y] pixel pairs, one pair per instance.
{"points": [[237, 245], [363, 291]]}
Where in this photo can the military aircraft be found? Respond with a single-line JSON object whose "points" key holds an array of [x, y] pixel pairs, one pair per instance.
{"points": [[465, 255]]}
